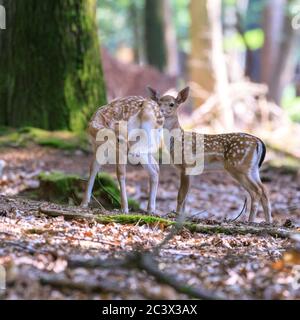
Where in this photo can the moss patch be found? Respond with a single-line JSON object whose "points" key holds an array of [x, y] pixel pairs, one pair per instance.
{"points": [[65, 140], [64, 188], [133, 219]]}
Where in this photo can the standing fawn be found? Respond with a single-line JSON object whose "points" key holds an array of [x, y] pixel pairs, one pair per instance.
{"points": [[240, 154], [137, 113]]}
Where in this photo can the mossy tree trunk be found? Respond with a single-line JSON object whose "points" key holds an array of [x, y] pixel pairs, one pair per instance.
{"points": [[154, 34], [50, 68]]}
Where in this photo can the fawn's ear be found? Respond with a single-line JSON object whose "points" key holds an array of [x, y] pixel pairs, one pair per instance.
{"points": [[153, 94], [183, 95]]}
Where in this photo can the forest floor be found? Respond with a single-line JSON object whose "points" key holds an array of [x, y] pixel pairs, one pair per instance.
{"points": [[35, 249]]}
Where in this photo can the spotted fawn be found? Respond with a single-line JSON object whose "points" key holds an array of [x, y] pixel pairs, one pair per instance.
{"points": [[239, 154], [138, 113]]}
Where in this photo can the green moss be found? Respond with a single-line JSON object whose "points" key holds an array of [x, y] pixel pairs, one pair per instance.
{"points": [[133, 219], [64, 188], [59, 187], [107, 188], [65, 140]]}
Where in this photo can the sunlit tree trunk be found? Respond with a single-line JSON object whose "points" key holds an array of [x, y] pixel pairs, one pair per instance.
{"points": [[50, 70], [219, 63], [284, 68], [208, 63], [154, 34], [201, 68], [136, 21], [273, 21], [172, 67]]}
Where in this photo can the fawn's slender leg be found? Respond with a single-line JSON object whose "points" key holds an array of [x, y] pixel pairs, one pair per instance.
{"points": [[266, 204], [183, 190], [152, 168], [251, 187], [264, 197], [121, 174], [94, 168], [255, 195]]}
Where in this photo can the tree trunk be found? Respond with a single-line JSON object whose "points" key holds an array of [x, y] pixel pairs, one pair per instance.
{"points": [[285, 66], [154, 34], [51, 74], [201, 69], [297, 79], [273, 25], [219, 63], [135, 17], [208, 64], [253, 56], [170, 40]]}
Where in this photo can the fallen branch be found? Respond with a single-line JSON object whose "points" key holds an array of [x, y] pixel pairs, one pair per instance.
{"points": [[277, 232], [67, 214], [143, 261], [60, 281], [229, 229]]}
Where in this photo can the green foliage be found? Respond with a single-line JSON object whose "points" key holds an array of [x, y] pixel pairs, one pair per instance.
{"points": [[182, 21], [114, 21], [255, 38], [116, 28]]}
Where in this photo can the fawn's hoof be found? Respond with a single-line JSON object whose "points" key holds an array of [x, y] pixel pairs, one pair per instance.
{"points": [[84, 205]]}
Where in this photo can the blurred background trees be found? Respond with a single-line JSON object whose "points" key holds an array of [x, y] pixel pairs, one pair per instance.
{"points": [[240, 57], [257, 35]]}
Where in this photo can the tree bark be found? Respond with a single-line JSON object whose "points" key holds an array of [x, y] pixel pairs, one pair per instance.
{"points": [[170, 40], [154, 34], [201, 68], [219, 63], [272, 24], [51, 75], [253, 56], [208, 68], [284, 68]]}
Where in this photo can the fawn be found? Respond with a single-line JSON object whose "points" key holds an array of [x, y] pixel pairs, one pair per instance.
{"points": [[240, 154], [138, 113]]}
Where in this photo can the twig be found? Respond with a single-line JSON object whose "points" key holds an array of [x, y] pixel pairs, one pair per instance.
{"points": [[244, 208], [99, 203], [196, 214]]}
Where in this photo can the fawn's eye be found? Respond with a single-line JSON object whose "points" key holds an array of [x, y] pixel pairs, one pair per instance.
{"points": [[171, 104]]}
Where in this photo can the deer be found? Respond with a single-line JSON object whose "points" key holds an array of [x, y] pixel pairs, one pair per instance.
{"points": [[138, 113], [239, 154]]}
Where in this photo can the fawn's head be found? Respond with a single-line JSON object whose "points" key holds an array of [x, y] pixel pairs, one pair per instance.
{"points": [[168, 104]]}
